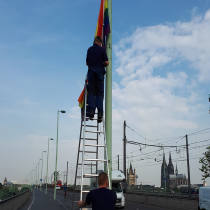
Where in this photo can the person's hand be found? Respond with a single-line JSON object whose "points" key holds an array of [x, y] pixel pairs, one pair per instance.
{"points": [[79, 203]]}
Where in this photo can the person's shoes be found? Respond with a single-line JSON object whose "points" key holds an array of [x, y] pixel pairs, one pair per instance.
{"points": [[100, 117], [91, 115]]}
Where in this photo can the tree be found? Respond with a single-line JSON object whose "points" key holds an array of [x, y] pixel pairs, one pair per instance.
{"points": [[205, 161], [1, 186]]}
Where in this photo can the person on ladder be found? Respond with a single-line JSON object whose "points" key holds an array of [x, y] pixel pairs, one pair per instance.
{"points": [[96, 60]]}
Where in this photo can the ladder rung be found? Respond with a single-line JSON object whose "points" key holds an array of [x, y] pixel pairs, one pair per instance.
{"points": [[91, 118], [94, 131], [92, 175], [87, 164], [95, 160], [88, 151], [94, 126], [94, 145], [90, 139]]}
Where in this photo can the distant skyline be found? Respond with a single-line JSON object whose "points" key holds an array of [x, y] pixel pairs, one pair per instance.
{"points": [[161, 78]]}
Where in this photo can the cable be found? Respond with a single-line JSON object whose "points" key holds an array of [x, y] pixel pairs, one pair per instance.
{"points": [[137, 143], [199, 131]]}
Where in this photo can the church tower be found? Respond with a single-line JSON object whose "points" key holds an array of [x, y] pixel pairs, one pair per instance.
{"points": [[176, 171], [170, 165], [131, 176], [5, 180], [162, 171]]}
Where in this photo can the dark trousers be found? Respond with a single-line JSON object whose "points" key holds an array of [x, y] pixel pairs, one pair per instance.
{"points": [[96, 89]]}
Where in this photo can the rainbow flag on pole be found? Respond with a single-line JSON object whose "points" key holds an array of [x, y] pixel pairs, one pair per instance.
{"points": [[102, 30], [103, 26]]}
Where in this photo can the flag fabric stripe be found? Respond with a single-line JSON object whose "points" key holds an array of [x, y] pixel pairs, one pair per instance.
{"points": [[106, 23], [99, 27]]}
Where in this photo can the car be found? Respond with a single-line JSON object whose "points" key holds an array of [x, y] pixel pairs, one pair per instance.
{"points": [[204, 198], [58, 187], [44, 185]]}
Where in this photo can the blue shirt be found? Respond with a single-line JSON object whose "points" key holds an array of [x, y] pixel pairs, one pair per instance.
{"points": [[102, 199], [96, 56], [65, 188]]}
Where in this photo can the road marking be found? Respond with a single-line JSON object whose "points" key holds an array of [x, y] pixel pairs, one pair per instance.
{"points": [[62, 204], [59, 202], [32, 201]]}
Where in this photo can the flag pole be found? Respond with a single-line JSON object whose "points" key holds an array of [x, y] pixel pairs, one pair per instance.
{"points": [[108, 94]]}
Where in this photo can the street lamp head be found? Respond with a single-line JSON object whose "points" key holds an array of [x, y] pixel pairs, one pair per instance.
{"points": [[44, 151], [63, 111], [51, 138]]}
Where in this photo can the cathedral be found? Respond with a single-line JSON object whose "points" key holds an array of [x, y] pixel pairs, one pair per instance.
{"points": [[172, 180], [131, 176]]}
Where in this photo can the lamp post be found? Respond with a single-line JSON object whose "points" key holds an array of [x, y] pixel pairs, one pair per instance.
{"points": [[38, 171], [36, 176], [56, 154], [41, 171], [32, 177], [47, 164]]}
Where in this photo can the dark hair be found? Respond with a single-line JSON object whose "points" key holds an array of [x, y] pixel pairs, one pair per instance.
{"points": [[102, 178], [97, 39]]}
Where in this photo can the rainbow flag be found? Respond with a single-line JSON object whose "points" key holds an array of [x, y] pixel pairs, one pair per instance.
{"points": [[103, 26], [102, 30]]}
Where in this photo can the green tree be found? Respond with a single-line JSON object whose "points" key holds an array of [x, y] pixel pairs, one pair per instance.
{"points": [[205, 161], [1, 186]]}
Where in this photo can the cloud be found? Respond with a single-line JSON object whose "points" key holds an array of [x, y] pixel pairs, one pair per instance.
{"points": [[155, 46], [155, 102], [75, 113], [28, 102]]}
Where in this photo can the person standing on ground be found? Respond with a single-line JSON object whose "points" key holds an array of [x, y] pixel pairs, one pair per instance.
{"points": [[96, 60], [65, 188], [101, 198]]}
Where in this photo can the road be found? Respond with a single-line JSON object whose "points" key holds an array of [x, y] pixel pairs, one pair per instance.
{"points": [[41, 201]]}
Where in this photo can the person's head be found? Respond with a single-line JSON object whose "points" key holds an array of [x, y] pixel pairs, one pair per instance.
{"points": [[103, 180], [98, 40]]}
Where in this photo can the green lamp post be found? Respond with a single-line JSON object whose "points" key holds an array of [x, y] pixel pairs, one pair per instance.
{"points": [[41, 172], [57, 154], [47, 164]]}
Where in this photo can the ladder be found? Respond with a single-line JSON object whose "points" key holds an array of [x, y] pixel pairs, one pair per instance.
{"points": [[84, 145]]}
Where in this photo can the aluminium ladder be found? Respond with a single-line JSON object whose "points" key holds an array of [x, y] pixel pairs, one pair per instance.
{"points": [[82, 149]]}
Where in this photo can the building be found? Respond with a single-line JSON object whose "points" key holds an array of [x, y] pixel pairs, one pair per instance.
{"points": [[5, 180], [172, 179], [131, 176]]}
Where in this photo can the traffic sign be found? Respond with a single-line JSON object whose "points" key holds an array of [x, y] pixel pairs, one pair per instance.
{"points": [[164, 178], [41, 180]]}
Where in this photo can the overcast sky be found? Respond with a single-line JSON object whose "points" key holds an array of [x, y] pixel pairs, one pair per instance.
{"points": [[161, 78]]}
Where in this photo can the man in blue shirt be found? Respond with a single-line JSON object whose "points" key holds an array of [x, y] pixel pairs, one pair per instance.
{"points": [[96, 60], [101, 198], [65, 188]]}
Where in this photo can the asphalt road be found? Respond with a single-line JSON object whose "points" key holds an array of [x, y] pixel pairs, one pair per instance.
{"points": [[41, 201]]}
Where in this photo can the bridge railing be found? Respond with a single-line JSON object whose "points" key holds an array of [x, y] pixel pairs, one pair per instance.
{"points": [[10, 191]]}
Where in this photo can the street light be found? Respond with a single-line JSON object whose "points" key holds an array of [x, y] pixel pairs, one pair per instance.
{"points": [[38, 171], [41, 171], [62, 111], [36, 176], [32, 177], [47, 164]]}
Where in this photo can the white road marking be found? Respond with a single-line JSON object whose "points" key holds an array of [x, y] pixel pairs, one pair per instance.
{"points": [[32, 201]]}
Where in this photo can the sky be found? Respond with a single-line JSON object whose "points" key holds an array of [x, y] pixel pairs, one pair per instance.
{"points": [[160, 83]]}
